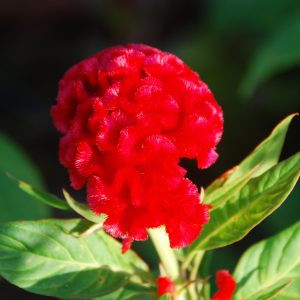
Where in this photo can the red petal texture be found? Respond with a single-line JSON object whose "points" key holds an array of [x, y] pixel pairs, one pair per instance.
{"points": [[226, 286], [165, 285], [128, 115]]}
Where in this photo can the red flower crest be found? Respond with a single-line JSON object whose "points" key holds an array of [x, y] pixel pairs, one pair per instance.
{"points": [[226, 286], [165, 285], [128, 115]]}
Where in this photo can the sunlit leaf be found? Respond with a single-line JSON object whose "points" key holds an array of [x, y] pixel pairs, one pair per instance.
{"points": [[220, 181], [222, 194], [270, 268], [254, 202], [45, 257]]}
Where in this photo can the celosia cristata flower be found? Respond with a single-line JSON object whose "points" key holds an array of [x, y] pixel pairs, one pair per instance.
{"points": [[165, 285], [128, 115], [226, 286]]}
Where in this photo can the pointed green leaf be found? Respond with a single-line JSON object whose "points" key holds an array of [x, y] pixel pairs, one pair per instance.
{"points": [[266, 154], [270, 268], [44, 257], [43, 197], [220, 181], [83, 210], [254, 202], [222, 194]]}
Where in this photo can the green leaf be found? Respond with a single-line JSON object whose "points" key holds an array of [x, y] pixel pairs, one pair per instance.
{"points": [[44, 197], [266, 154], [83, 209], [253, 203], [45, 257], [270, 268], [222, 194], [131, 292], [220, 181], [14, 204], [280, 53]]}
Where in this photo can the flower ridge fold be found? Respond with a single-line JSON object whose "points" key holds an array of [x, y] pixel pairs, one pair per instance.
{"points": [[128, 115]]}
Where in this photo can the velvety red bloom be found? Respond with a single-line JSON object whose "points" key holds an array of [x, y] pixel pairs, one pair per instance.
{"points": [[226, 286], [128, 115], [165, 285]]}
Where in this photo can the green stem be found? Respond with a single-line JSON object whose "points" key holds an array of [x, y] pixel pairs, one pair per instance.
{"points": [[188, 260], [197, 262], [193, 275], [165, 253]]}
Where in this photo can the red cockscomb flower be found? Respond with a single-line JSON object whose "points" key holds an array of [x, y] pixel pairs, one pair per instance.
{"points": [[226, 286], [128, 115], [165, 285]]}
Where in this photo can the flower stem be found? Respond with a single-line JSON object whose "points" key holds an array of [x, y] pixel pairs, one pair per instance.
{"points": [[188, 260], [165, 253], [197, 262]]}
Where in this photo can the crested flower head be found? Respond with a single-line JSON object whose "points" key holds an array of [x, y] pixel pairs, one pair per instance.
{"points": [[128, 115]]}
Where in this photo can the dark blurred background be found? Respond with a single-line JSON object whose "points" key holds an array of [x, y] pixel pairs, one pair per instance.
{"points": [[247, 51]]}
